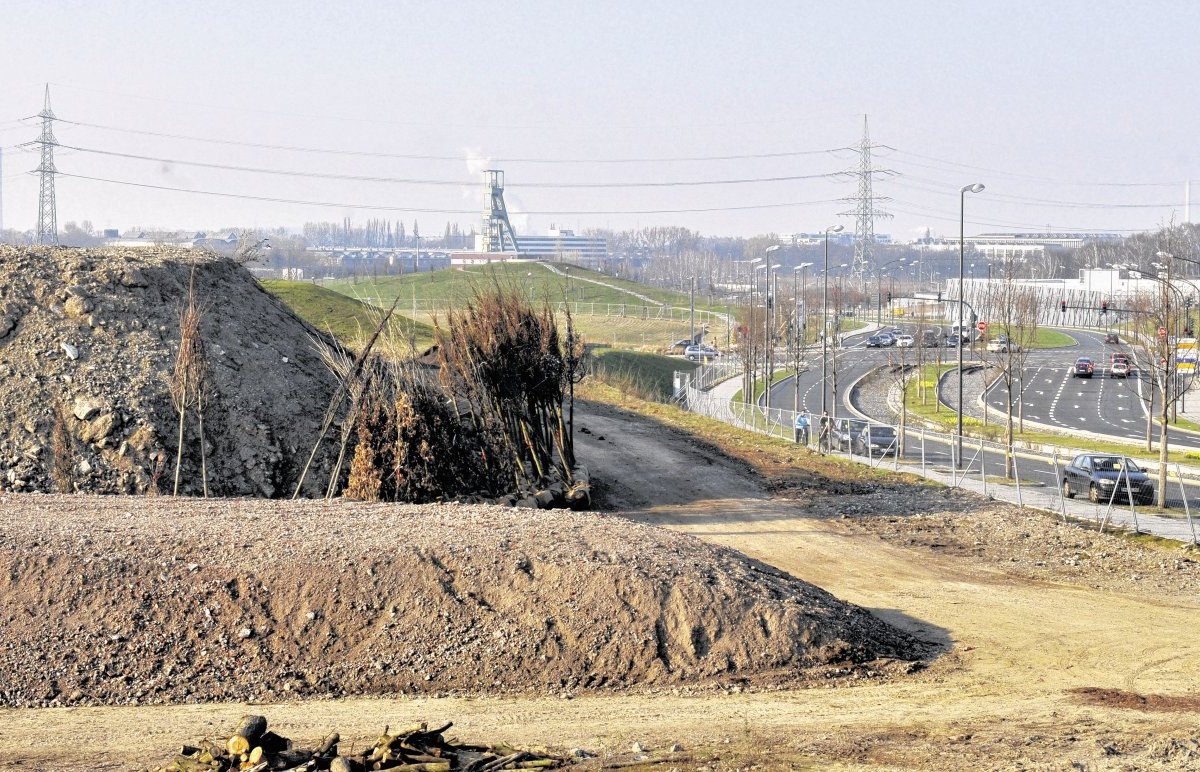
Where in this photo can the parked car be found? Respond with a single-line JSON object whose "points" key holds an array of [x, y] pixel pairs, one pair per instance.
{"points": [[931, 339], [999, 346], [697, 353], [953, 341], [875, 341], [905, 341], [1112, 338], [1118, 369], [841, 436], [1105, 478], [887, 339], [1083, 368], [875, 440], [896, 332]]}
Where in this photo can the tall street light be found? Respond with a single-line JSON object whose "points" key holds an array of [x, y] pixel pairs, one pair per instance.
{"points": [[753, 331], [770, 294], [799, 340], [748, 354], [962, 222], [825, 324]]}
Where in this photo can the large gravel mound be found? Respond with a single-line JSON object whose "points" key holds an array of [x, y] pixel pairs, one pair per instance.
{"points": [[119, 599], [91, 335]]}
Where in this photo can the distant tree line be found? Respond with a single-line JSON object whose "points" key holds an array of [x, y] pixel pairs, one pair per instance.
{"points": [[383, 234]]}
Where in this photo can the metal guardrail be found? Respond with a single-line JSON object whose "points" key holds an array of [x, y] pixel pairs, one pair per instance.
{"points": [[929, 453]]}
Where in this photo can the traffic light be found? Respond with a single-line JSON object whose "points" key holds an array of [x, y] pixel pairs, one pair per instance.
{"points": [[1063, 305], [939, 296], [1103, 306]]}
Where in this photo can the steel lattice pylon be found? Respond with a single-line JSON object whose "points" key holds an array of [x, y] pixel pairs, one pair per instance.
{"points": [[864, 212], [47, 226]]}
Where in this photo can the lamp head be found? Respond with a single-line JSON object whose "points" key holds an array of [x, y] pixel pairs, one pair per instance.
{"points": [[973, 188], [835, 229], [772, 248]]}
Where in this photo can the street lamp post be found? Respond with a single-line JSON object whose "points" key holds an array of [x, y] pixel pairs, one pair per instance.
{"points": [[748, 354], [825, 323], [770, 295], [962, 222], [801, 313], [753, 331]]}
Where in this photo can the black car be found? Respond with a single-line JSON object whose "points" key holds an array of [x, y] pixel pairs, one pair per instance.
{"points": [[1112, 338], [1083, 368], [875, 341], [1106, 478], [841, 436], [875, 441]]}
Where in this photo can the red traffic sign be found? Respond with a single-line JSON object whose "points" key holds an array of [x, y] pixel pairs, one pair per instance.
{"points": [[1162, 332], [981, 326]]}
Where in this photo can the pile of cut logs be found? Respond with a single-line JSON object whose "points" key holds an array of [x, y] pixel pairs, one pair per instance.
{"points": [[416, 748]]}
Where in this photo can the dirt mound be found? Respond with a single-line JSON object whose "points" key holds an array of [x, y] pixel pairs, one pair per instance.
{"points": [[87, 342], [135, 599]]}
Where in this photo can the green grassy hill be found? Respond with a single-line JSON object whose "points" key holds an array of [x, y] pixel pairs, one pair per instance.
{"points": [[349, 320], [456, 285]]}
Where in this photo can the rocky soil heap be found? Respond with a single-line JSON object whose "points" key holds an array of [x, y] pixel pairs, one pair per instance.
{"points": [[117, 600], [87, 343]]}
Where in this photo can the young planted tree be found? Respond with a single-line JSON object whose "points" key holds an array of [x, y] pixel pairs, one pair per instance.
{"points": [[190, 383], [1014, 309]]}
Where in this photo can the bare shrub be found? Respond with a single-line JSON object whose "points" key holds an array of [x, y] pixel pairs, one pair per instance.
{"points": [[62, 456]]}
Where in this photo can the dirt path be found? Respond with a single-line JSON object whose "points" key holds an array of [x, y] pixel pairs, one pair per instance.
{"points": [[999, 697]]}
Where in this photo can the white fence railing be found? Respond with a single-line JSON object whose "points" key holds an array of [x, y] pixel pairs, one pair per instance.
{"points": [[1027, 477]]}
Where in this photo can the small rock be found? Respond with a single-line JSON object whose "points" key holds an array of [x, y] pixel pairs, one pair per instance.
{"points": [[86, 407], [6, 325], [638, 748], [84, 467], [311, 616], [676, 748], [285, 360], [77, 307], [71, 351], [245, 633]]}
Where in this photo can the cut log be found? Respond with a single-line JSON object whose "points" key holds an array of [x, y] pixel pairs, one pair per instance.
{"points": [[328, 745], [247, 735]]}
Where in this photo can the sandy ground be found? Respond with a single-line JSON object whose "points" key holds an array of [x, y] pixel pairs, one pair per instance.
{"points": [[1001, 696]]}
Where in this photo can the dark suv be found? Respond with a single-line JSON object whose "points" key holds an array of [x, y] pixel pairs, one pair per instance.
{"points": [[1106, 478], [1083, 368]]}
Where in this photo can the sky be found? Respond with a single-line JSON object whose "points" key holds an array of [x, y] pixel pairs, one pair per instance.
{"points": [[731, 119]]}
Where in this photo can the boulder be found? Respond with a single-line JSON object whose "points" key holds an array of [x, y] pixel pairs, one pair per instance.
{"points": [[86, 407]]}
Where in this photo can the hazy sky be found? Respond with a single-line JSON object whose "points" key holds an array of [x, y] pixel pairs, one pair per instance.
{"points": [[1076, 115]]}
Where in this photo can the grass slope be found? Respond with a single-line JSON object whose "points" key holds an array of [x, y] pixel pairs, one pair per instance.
{"points": [[457, 286], [348, 319], [648, 376]]}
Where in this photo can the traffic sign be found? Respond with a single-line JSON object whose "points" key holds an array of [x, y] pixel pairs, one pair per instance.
{"points": [[981, 326], [1162, 332]]}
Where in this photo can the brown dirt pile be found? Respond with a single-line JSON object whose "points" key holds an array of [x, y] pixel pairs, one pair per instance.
{"points": [[117, 600], [87, 342]]}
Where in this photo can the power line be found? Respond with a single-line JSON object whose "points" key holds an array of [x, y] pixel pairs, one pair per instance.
{"points": [[457, 158], [1031, 177], [377, 207], [935, 187], [454, 183]]}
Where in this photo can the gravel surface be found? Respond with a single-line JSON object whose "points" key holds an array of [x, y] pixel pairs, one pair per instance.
{"points": [[88, 339], [153, 600]]}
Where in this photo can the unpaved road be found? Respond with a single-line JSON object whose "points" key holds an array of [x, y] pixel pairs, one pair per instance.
{"points": [[999, 697]]}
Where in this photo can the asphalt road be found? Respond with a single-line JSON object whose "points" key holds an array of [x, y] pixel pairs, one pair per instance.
{"points": [[1102, 405]]}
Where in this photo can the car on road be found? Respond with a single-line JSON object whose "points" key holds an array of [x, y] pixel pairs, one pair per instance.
{"points": [[1112, 338], [843, 432], [1103, 478], [905, 341], [954, 341], [1118, 369], [1083, 368], [999, 346], [697, 353], [896, 332], [887, 339], [931, 338], [875, 341], [875, 440]]}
